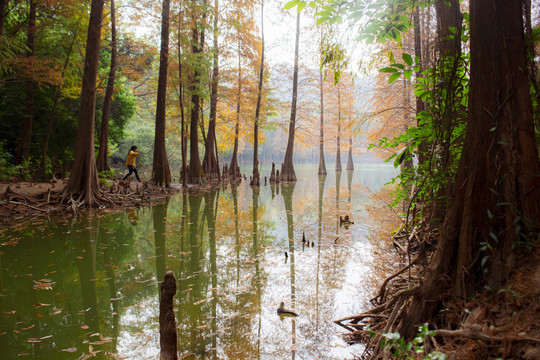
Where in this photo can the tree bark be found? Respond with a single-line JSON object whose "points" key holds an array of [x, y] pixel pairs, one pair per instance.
{"points": [[287, 170], [161, 173], [338, 153], [183, 142], [102, 163], [25, 139], [322, 164], [234, 171], [84, 180], [196, 174], [210, 163], [168, 338], [496, 201], [256, 180], [3, 4]]}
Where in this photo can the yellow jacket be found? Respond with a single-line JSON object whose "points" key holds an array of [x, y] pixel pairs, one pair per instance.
{"points": [[131, 158]]}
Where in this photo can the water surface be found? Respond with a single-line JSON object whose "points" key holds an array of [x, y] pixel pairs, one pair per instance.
{"points": [[87, 285]]}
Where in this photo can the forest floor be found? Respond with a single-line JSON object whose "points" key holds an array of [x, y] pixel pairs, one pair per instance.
{"points": [[25, 199], [496, 324]]}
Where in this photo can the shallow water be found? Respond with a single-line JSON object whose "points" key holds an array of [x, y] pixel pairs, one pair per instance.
{"points": [[73, 287]]}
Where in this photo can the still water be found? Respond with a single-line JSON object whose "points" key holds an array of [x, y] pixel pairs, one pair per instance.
{"points": [[81, 286]]}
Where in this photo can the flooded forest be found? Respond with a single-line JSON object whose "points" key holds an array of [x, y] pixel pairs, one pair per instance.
{"points": [[269, 179]]}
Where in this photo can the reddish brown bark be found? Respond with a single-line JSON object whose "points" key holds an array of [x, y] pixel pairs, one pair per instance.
{"points": [[161, 173], [168, 337], [210, 162], [287, 169], [102, 163], [84, 180], [195, 173], [496, 200]]}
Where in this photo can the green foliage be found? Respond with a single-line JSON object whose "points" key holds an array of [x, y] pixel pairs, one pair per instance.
{"points": [[401, 349]]}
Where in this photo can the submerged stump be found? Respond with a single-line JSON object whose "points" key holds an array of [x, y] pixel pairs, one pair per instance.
{"points": [[168, 338]]}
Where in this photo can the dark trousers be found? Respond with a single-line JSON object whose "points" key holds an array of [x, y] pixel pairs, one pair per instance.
{"points": [[132, 170]]}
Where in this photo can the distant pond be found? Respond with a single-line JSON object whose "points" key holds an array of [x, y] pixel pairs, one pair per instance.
{"points": [[73, 287]]}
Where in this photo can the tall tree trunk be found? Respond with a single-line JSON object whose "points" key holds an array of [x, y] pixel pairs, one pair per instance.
{"points": [[25, 139], [196, 174], [102, 164], [210, 163], [420, 106], [449, 29], [183, 142], [161, 173], [338, 153], [234, 169], [256, 181], [496, 203], [287, 171], [84, 180], [322, 164]]}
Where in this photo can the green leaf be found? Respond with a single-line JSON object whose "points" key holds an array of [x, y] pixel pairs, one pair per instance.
{"points": [[388, 70], [301, 5], [407, 74], [407, 58], [322, 19], [394, 77], [291, 4], [399, 66]]}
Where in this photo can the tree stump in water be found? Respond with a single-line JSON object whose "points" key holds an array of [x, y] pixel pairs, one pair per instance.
{"points": [[168, 339], [273, 174]]}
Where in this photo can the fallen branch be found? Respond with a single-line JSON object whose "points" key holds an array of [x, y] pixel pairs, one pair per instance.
{"points": [[476, 334]]}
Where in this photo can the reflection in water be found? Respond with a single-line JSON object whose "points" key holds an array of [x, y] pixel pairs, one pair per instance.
{"points": [[70, 288], [287, 190]]}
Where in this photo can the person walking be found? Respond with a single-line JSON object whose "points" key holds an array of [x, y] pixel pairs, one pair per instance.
{"points": [[130, 163]]}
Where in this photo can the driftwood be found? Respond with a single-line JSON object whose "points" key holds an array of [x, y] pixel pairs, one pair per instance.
{"points": [[168, 338]]}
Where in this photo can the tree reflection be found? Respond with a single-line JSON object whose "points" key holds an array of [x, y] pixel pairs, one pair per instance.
{"points": [[210, 209], [159, 216], [287, 190]]}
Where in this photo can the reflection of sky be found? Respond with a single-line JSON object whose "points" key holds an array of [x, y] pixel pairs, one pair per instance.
{"points": [[331, 279]]}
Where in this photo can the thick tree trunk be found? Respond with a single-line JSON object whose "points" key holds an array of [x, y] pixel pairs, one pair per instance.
{"points": [[449, 29], [84, 180], [287, 169], [183, 142], [25, 139], [210, 163], [168, 338], [496, 202], [102, 163], [161, 173], [256, 180], [195, 173]]}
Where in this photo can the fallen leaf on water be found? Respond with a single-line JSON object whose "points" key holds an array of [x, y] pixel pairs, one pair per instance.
{"points": [[84, 326], [70, 350], [29, 327], [56, 312], [38, 305], [32, 340], [45, 337], [10, 312]]}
